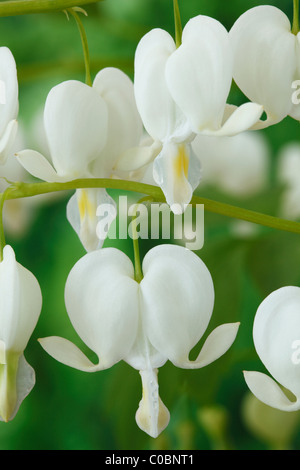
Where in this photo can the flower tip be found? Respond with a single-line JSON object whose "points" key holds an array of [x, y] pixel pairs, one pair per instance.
{"points": [[153, 426], [152, 415]]}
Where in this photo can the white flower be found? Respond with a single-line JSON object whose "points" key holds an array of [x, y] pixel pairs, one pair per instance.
{"points": [[267, 62], [288, 174], [276, 335], [181, 93], [238, 165], [9, 102], [20, 307], [89, 130], [145, 324]]}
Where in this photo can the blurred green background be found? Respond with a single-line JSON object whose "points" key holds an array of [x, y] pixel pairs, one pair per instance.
{"points": [[210, 408]]}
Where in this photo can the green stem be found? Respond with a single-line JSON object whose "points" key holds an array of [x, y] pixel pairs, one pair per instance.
{"points": [[178, 26], [85, 47], [21, 190], [26, 7], [138, 273], [295, 27]]}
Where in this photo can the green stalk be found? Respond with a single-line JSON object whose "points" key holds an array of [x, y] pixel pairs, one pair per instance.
{"points": [[138, 273], [21, 190], [295, 27], [26, 7], [85, 47], [178, 26]]}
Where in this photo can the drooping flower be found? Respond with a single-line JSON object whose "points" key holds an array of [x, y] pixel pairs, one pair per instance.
{"points": [[181, 92], [9, 102], [266, 61], [288, 175], [145, 324], [276, 335], [20, 307], [238, 165], [88, 130]]}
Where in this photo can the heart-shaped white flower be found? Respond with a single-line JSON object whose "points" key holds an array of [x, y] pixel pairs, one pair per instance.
{"points": [[276, 335], [145, 324]]}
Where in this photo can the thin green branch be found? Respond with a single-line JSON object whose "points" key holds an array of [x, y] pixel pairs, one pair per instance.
{"points": [[26, 7], [295, 27], [178, 25], [21, 190], [85, 47], [138, 273]]}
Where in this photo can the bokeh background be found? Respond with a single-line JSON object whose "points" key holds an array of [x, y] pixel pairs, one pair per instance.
{"points": [[211, 408]]}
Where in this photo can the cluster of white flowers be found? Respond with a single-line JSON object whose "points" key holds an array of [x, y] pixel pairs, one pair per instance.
{"points": [[160, 124]]}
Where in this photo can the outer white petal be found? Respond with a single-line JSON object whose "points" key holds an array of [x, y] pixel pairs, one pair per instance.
{"points": [[101, 298], [177, 298], [276, 335], [269, 392], [265, 59], [62, 350], [159, 113], [243, 118], [20, 302], [216, 344], [9, 89], [75, 119], [178, 172], [199, 73], [124, 122], [85, 218], [37, 165]]}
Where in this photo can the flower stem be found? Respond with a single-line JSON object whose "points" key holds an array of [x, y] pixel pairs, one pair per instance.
{"points": [[178, 26], [21, 190], [138, 273], [295, 27], [85, 47], [26, 7]]}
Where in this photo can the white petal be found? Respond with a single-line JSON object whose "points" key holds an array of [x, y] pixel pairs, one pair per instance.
{"points": [[37, 165], [75, 120], [67, 353], [263, 35], [7, 140], [177, 298], [124, 121], [84, 216], [199, 73], [20, 302], [269, 392], [177, 171], [9, 89], [217, 344], [137, 157], [243, 118], [101, 298], [152, 415], [16, 381], [276, 336], [160, 115]]}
